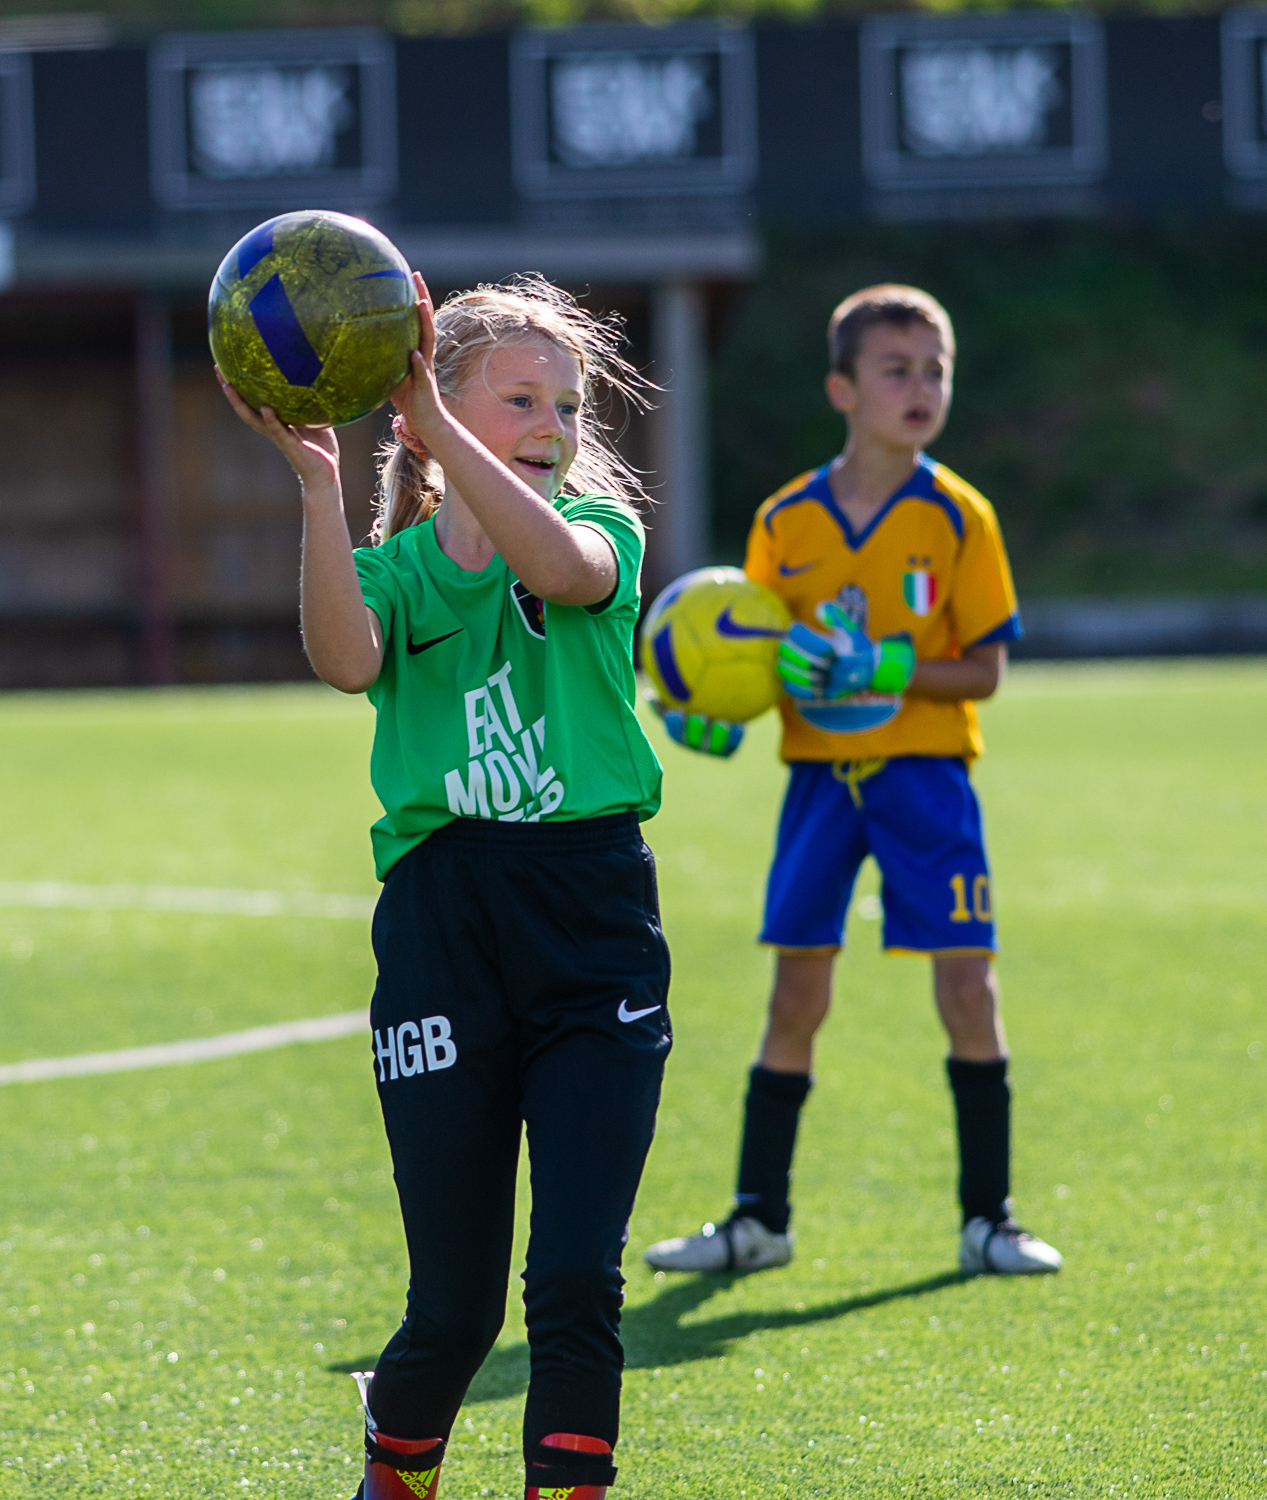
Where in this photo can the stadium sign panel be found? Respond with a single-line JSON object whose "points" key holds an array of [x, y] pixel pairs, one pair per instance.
{"points": [[983, 101], [273, 119], [17, 134], [613, 111], [1244, 49]]}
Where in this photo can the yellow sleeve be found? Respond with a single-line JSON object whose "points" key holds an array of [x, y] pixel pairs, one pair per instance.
{"points": [[983, 605], [761, 563]]}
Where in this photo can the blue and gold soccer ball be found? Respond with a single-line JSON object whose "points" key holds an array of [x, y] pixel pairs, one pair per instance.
{"points": [[313, 313], [710, 643]]}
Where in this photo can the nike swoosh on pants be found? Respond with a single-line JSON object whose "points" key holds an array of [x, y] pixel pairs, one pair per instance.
{"points": [[627, 1015]]}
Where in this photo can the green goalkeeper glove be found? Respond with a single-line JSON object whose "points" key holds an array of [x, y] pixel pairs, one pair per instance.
{"points": [[698, 732], [804, 661], [863, 665]]}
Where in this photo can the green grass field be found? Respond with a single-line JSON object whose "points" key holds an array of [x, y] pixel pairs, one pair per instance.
{"points": [[192, 1259]]}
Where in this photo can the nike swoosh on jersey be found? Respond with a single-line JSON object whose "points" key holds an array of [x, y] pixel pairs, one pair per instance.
{"points": [[786, 572], [627, 1015], [415, 647], [729, 626]]}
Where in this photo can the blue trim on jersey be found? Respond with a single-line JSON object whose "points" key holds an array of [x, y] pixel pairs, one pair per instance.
{"points": [[1010, 630], [816, 489], [922, 485]]}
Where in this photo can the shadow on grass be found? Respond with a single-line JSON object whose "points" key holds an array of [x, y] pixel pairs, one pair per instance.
{"points": [[655, 1335]]}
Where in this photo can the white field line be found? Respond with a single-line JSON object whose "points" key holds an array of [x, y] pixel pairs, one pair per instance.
{"points": [[202, 900], [205, 1049]]}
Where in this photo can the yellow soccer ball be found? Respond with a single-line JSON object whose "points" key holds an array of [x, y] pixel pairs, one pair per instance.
{"points": [[710, 642], [314, 314]]}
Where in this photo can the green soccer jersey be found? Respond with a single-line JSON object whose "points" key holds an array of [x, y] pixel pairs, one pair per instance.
{"points": [[493, 704]]}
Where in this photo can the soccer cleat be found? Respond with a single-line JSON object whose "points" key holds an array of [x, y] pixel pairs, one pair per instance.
{"points": [[1004, 1250], [740, 1244], [568, 1466]]}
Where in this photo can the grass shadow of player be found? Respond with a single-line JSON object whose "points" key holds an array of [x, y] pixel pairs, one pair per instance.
{"points": [[502, 1375], [351, 1366], [655, 1334]]}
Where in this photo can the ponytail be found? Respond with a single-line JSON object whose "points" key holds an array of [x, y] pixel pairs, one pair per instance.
{"points": [[410, 489]]}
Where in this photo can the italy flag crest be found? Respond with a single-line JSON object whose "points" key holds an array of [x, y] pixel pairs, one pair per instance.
{"points": [[919, 589]]}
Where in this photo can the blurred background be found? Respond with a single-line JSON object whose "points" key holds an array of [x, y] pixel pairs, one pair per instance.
{"points": [[1087, 194]]}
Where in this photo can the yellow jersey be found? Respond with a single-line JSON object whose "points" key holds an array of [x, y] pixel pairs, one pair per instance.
{"points": [[930, 562]]}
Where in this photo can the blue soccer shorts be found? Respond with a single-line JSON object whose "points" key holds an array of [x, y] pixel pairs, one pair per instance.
{"points": [[919, 817]]}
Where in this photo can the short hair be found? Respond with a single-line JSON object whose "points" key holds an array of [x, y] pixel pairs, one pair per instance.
{"points": [[899, 306]]}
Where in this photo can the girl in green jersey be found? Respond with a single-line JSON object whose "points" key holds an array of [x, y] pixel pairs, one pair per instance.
{"points": [[522, 972]]}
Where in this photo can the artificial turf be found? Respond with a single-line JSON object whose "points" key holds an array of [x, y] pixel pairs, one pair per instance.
{"points": [[192, 1259]]}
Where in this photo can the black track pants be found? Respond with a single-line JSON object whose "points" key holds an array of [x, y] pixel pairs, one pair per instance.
{"points": [[523, 976]]}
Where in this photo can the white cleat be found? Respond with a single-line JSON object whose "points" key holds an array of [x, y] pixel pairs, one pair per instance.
{"points": [[736, 1245], [1005, 1250]]}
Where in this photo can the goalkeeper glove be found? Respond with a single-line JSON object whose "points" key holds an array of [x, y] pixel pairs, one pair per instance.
{"points": [[818, 670], [862, 665], [699, 732], [804, 661]]}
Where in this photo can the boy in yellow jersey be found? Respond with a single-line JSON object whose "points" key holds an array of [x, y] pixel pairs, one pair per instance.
{"points": [[896, 576]]}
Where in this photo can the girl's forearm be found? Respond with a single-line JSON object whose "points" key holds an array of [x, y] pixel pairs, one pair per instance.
{"points": [[341, 636], [565, 564]]}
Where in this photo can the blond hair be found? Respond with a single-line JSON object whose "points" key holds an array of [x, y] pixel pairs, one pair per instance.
{"points": [[899, 306], [469, 327]]}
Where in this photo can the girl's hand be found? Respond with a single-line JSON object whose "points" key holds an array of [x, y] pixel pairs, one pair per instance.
{"points": [[417, 398], [313, 452], [409, 439]]}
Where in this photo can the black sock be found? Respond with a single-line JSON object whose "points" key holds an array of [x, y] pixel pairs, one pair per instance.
{"points": [[771, 1112], [983, 1105]]}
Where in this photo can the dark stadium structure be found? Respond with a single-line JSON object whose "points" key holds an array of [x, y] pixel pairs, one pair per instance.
{"points": [[146, 537]]}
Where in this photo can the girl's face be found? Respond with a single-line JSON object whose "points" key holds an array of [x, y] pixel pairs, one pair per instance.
{"points": [[900, 393], [523, 402]]}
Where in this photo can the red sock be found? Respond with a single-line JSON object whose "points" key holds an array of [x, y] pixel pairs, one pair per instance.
{"points": [[385, 1482], [557, 1485]]}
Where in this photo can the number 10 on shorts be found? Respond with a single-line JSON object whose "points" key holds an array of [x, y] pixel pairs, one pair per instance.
{"points": [[980, 910]]}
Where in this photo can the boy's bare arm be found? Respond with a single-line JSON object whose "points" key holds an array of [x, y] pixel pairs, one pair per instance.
{"points": [[975, 674]]}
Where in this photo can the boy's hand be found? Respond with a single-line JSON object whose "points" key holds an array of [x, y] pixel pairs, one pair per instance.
{"points": [[862, 665], [698, 731], [805, 659], [896, 665]]}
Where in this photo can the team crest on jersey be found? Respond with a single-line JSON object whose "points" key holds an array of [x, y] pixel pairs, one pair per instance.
{"points": [[532, 611], [853, 601], [919, 589]]}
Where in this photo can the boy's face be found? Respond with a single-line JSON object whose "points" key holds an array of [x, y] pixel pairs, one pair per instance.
{"points": [[900, 391]]}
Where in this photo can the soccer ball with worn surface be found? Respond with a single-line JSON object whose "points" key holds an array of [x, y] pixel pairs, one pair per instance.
{"points": [[313, 313], [710, 643]]}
